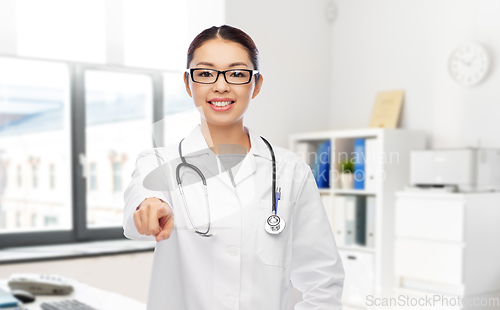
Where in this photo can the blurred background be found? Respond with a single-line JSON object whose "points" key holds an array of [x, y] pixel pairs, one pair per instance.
{"points": [[83, 82]]}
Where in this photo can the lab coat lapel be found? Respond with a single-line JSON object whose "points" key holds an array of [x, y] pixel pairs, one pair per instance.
{"points": [[258, 148]]}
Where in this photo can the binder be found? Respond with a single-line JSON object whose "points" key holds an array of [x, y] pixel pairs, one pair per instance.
{"points": [[359, 164], [350, 219], [324, 166], [317, 164], [371, 164], [360, 221], [339, 220], [370, 221]]}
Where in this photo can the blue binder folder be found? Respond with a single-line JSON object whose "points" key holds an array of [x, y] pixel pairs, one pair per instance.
{"points": [[317, 164], [324, 166], [359, 164]]}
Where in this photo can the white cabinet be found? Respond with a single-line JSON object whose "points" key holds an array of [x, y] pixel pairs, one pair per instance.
{"points": [[369, 268], [430, 219], [448, 244], [360, 277], [432, 261]]}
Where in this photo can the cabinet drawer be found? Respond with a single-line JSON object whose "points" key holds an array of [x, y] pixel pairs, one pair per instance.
{"points": [[437, 219], [359, 277], [432, 261]]}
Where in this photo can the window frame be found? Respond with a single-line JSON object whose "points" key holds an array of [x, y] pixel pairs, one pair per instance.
{"points": [[79, 231]]}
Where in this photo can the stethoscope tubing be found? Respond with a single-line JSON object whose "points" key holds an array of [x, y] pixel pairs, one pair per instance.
{"points": [[198, 171]]}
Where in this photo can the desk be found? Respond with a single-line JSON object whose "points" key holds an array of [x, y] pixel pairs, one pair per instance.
{"points": [[92, 296], [104, 264]]}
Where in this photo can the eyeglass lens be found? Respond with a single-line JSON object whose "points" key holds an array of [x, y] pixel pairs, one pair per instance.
{"points": [[232, 76]]}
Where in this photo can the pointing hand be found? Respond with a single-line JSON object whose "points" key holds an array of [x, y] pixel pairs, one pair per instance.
{"points": [[154, 217]]}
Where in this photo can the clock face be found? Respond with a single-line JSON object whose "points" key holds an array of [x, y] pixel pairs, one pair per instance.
{"points": [[469, 64]]}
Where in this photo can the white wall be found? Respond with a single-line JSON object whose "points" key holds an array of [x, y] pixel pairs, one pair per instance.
{"points": [[393, 44], [293, 38]]}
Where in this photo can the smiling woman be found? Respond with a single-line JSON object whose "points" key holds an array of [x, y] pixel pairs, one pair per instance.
{"points": [[236, 243], [223, 102]]}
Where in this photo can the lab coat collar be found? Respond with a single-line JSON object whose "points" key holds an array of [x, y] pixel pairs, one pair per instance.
{"points": [[258, 146], [195, 144]]}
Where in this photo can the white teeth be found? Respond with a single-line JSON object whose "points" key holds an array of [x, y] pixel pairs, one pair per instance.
{"points": [[220, 103]]}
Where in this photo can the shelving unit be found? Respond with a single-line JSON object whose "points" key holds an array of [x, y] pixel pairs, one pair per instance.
{"points": [[369, 270]]}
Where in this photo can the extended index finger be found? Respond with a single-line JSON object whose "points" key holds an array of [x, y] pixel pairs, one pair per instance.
{"points": [[154, 225], [138, 222]]}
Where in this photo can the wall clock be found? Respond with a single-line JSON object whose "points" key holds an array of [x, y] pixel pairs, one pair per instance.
{"points": [[469, 64]]}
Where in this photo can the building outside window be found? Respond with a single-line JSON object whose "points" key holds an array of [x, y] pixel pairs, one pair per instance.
{"points": [[50, 221], [18, 219], [3, 176], [34, 169], [33, 220], [117, 176], [36, 130], [52, 172], [19, 176]]}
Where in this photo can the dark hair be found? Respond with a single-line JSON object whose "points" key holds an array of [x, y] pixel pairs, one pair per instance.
{"points": [[229, 33]]}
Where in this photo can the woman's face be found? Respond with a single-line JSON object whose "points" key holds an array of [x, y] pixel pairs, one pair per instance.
{"points": [[222, 55]]}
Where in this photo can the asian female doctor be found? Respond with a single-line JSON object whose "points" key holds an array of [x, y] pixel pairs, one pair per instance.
{"points": [[253, 223]]}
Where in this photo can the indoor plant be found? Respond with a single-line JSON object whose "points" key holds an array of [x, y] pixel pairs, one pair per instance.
{"points": [[346, 174]]}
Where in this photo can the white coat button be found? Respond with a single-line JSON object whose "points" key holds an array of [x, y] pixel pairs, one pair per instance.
{"points": [[233, 251], [230, 300]]}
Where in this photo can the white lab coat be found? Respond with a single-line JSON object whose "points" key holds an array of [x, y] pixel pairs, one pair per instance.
{"points": [[242, 267]]}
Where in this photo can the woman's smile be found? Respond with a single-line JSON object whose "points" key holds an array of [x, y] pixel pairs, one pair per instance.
{"points": [[221, 104]]}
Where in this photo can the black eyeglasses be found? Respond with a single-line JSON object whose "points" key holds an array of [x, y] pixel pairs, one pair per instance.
{"points": [[210, 76]]}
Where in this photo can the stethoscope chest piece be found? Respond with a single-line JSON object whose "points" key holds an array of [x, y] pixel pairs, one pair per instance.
{"points": [[274, 224]]}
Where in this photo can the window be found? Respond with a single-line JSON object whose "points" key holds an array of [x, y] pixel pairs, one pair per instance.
{"points": [[35, 129], [117, 177], [3, 175], [64, 204], [92, 177], [119, 114], [33, 220], [19, 176], [52, 172], [18, 219], [35, 175]]}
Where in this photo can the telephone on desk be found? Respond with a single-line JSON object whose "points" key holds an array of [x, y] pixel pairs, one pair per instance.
{"points": [[26, 285]]}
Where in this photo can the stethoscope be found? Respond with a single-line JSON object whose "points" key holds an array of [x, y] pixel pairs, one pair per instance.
{"points": [[274, 223]]}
